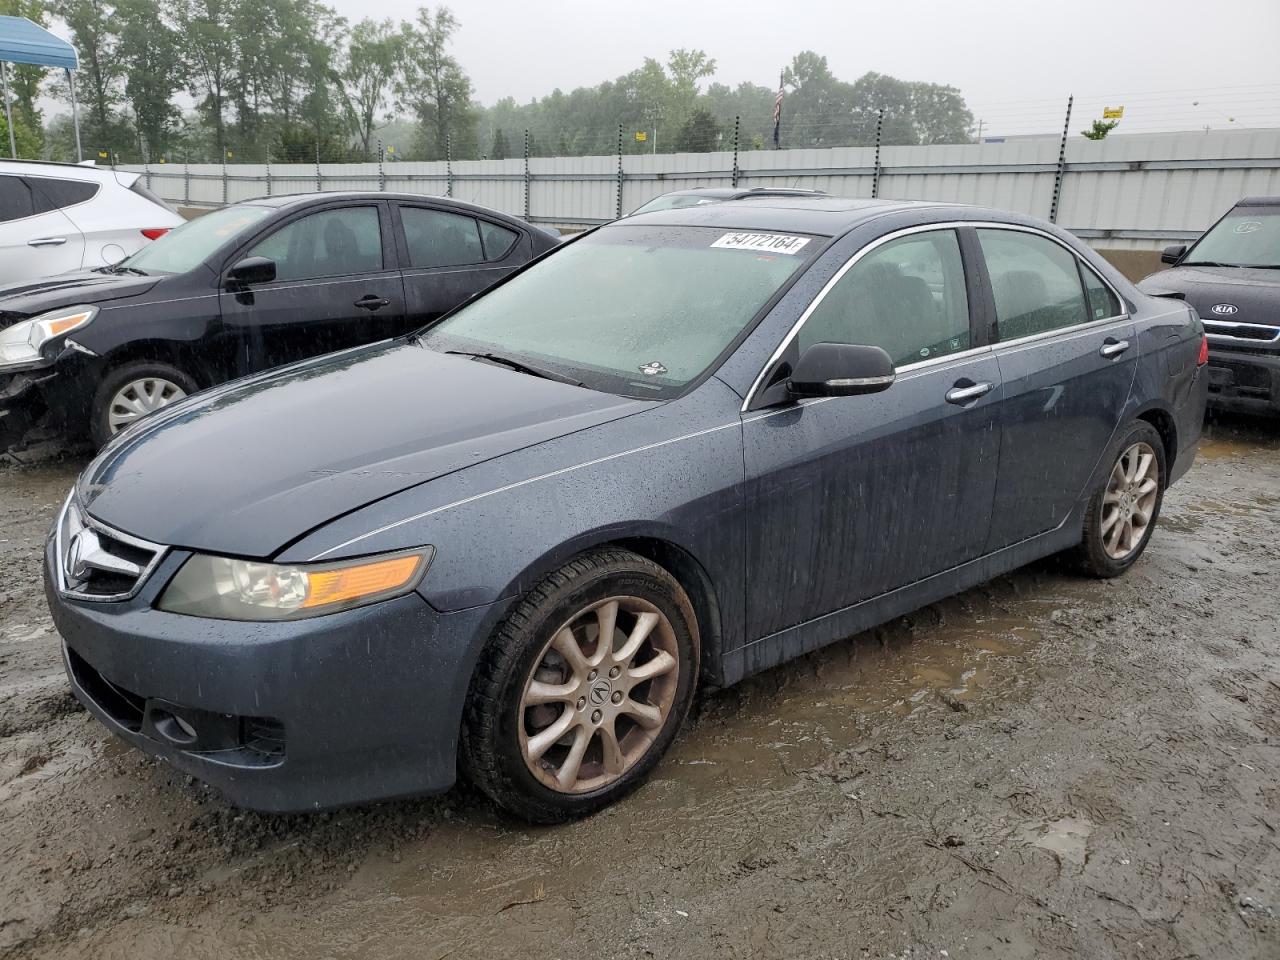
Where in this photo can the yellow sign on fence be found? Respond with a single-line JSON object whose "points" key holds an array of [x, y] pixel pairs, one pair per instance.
{"points": [[1112, 113], [641, 136]]}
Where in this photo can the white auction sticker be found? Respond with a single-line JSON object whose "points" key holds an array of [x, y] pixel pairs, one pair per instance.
{"points": [[762, 242]]}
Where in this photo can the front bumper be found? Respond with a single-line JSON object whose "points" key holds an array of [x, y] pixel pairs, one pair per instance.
{"points": [[288, 717], [1242, 380]]}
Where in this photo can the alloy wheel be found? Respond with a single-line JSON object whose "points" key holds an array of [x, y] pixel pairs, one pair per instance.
{"points": [[1130, 500], [138, 398], [599, 694]]}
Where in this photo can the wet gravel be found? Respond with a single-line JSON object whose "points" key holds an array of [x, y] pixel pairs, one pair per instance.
{"points": [[1044, 766]]}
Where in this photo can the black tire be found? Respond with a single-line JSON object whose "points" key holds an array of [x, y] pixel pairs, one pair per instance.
{"points": [[1091, 555], [491, 756], [118, 377]]}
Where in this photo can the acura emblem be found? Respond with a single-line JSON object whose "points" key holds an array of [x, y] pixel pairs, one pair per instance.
{"points": [[1224, 309]]}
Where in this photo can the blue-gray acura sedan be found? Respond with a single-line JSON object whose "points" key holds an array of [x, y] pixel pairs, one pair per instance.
{"points": [[681, 449]]}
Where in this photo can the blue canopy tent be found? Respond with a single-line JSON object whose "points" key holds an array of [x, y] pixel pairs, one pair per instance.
{"points": [[22, 41]]}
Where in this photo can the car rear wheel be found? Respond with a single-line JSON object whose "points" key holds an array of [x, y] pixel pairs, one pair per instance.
{"points": [[132, 391], [1122, 515], [582, 688]]}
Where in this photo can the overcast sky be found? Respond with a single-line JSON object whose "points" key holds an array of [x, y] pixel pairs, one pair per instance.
{"points": [[1014, 60]]}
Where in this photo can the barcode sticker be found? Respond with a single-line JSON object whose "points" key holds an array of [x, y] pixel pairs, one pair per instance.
{"points": [[762, 242]]}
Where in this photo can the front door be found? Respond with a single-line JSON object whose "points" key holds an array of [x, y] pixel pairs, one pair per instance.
{"points": [[335, 287], [851, 497], [1067, 355]]}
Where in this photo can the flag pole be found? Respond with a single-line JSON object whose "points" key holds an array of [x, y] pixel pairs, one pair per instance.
{"points": [[777, 108]]}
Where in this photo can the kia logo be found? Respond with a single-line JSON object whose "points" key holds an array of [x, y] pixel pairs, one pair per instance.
{"points": [[1224, 309]]}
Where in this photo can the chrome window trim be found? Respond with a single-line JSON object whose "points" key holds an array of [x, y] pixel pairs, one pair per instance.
{"points": [[159, 551], [925, 228], [1209, 324]]}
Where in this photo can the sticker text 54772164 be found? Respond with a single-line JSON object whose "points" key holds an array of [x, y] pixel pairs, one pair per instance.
{"points": [[762, 242]]}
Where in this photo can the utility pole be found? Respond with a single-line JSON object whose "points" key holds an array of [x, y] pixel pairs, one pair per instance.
{"points": [[980, 123]]}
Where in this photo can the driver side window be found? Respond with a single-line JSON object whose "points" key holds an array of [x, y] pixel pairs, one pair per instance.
{"points": [[331, 243], [907, 297]]}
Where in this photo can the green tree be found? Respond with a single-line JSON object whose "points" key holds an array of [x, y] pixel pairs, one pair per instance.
{"points": [[1099, 129], [94, 31], [26, 140], [209, 40], [699, 134], [150, 58], [435, 87], [500, 149], [368, 74]]}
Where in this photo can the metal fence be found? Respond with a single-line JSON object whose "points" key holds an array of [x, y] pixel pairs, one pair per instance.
{"points": [[1135, 192]]}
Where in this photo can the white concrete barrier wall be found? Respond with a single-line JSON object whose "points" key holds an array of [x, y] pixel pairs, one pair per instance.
{"points": [[1136, 192]]}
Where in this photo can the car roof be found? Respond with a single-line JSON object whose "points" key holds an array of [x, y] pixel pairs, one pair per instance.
{"points": [[735, 193], [297, 199], [87, 171], [1258, 202], [819, 215]]}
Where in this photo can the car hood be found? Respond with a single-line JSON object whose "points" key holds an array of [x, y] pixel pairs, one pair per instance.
{"points": [[27, 298], [247, 468], [1254, 293]]}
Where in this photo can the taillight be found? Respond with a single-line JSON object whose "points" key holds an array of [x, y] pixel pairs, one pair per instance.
{"points": [[1204, 351], [155, 233]]}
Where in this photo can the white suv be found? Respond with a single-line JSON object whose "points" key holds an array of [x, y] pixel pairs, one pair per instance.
{"points": [[56, 217]]}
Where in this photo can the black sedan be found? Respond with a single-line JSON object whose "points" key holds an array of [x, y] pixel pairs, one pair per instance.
{"points": [[241, 289], [1231, 275], [683, 448]]}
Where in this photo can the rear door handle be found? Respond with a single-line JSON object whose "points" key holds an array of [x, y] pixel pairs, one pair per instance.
{"points": [[1111, 347], [47, 242], [372, 302], [973, 391]]}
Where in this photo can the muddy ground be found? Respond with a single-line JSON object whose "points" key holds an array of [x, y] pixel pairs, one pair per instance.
{"points": [[1042, 767]]}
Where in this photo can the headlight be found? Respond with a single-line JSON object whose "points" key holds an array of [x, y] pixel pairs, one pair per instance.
{"points": [[228, 589], [21, 342]]}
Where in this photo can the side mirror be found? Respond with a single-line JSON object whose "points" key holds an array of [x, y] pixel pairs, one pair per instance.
{"points": [[252, 270], [1173, 254], [841, 370]]}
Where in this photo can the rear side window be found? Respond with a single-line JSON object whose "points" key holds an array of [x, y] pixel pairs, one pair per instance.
{"points": [[1102, 302], [50, 194], [439, 239], [15, 199], [331, 243], [1035, 281], [907, 297], [498, 241]]}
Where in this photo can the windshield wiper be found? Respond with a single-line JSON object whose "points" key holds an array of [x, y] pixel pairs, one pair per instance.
{"points": [[1206, 263], [519, 366], [121, 268]]}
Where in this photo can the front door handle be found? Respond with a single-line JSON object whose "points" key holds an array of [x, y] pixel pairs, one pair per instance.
{"points": [[371, 302], [1111, 347], [963, 394], [47, 242]]}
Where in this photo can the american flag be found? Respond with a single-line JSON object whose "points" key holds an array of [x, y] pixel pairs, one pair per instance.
{"points": [[777, 111]]}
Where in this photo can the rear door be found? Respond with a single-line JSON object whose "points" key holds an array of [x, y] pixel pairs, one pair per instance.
{"points": [[852, 497], [1067, 355], [36, 238], [336, 286], [450, 256]]}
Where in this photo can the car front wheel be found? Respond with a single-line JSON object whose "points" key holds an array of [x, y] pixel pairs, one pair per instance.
{"points": [[1122, 515], [133, 390], [582, 689]]}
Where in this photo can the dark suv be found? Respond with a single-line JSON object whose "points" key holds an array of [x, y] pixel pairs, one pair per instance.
{"points": [[1231, 275]]}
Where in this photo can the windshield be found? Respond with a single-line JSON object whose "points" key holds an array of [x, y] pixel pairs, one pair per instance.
{"points": [[191, 244], [673, 201], [1245, 237], [633, 310]]}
